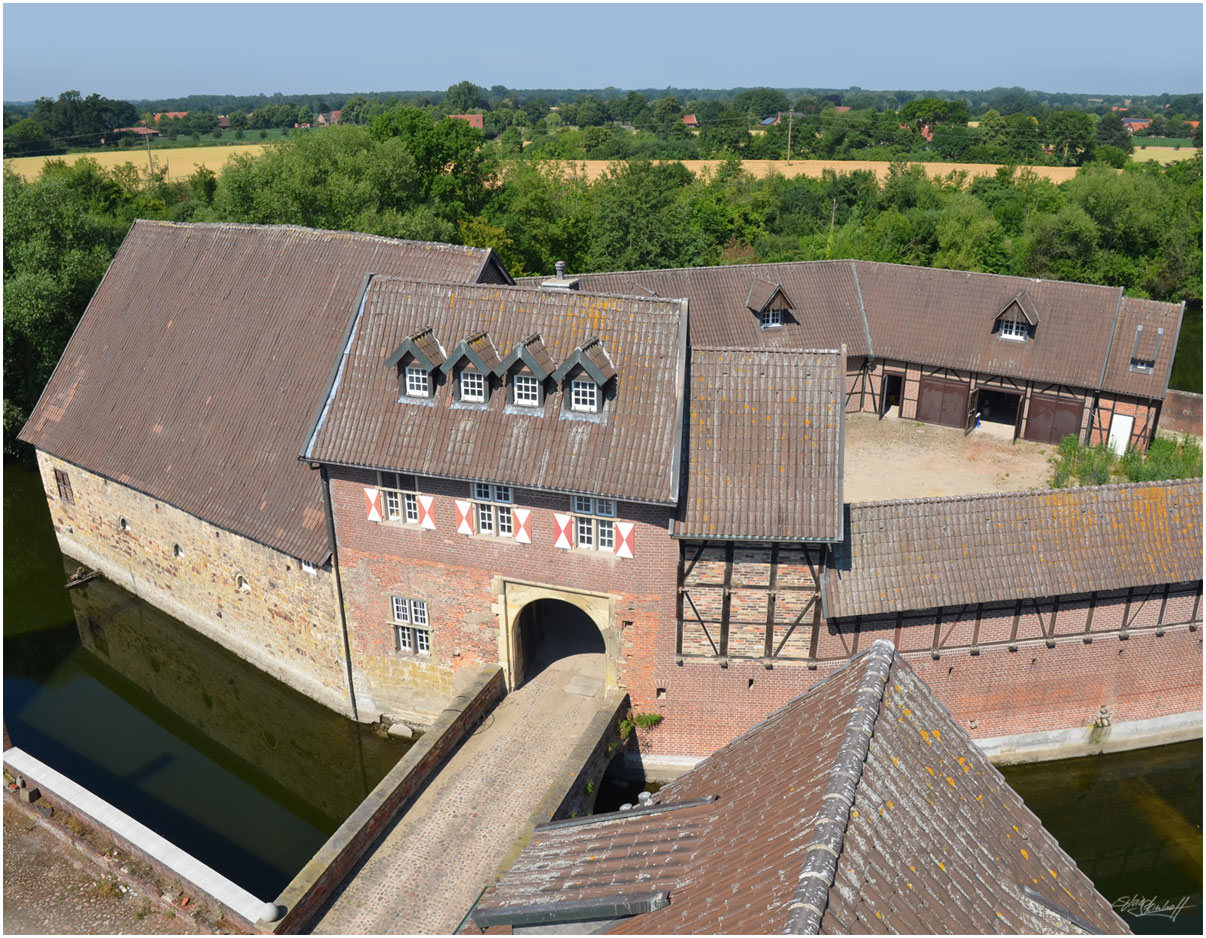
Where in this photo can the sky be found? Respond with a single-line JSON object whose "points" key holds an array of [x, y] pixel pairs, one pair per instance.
{"points": [[160, 50]]}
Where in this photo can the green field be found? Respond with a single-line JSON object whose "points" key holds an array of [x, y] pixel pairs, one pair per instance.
{"points": [[1140, 142]]}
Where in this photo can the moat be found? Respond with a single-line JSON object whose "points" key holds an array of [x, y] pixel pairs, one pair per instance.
{"points": [[251, 777]]}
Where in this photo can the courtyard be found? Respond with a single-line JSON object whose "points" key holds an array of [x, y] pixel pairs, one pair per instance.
{"points": [[893, 458]]}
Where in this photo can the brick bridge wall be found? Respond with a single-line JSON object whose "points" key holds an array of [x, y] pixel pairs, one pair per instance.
{"points": [[285, 624]]}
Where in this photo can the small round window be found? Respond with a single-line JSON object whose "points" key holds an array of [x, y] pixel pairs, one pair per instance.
{"points": [[242, 584]]}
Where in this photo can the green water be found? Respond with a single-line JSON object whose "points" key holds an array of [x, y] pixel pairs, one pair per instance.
{"points": [[232, 766], [1132, 821]]}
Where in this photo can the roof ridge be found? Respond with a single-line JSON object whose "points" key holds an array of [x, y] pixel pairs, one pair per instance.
{"points": [[762, 350], [811, 897], [663, 300], [1032, 493], [305, 229]]}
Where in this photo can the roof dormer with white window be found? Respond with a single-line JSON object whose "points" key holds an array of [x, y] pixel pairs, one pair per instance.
{"points": [[525, 371], [586, 378], [770, 304], [418, 360], [1018, 319], [472, 367]]}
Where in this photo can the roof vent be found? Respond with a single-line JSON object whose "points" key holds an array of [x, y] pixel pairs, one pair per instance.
{"points": [[560, 283], [644, 798]]}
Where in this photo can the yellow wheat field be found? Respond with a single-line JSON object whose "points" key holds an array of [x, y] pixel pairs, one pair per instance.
{"points": [[1163, 154], [179, 163]]}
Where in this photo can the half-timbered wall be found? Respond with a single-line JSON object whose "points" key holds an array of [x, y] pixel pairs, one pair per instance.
{"points": [[1144, 413], [748, 600]]}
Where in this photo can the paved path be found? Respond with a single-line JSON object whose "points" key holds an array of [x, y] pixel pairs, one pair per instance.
{"points": [[424, 877]]}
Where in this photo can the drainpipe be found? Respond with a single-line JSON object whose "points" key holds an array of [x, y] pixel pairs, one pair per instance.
{"points": [[343, 621]]}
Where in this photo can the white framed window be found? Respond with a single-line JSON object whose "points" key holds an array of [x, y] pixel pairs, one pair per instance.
{"points": [[1012, 329], [594, 522], [401, 502], [242, 584], [527, 390], [492, 509], [473, 386], [418, 382], [309, 568], [411, 635], [770, 318], [584, 396]]}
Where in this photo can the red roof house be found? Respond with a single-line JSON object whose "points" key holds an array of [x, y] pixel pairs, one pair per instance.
{"points": [[690, 121], [473, 120], [174, 115]]}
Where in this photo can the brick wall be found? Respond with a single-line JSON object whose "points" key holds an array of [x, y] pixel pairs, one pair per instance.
{"points": [[462, 578], [284, 624], [1182, 413], [1142, 412]]}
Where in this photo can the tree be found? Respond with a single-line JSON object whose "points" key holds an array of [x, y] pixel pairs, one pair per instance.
{"points": [[761, 102], [1072, 136], [463, 97], [1112, 132], [25, 137]]}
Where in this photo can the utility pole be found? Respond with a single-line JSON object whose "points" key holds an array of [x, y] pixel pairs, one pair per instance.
{"points": [[150, 162], [789, 117]]}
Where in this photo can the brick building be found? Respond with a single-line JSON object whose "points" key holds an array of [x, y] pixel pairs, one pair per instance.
{"points": [[369, 466]]}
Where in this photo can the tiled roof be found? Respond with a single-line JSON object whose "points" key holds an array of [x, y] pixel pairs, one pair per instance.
{"points": [[1153, 316], [764, 445], [195, 372], [931, 552], [917, 314], [628, 451], [860, 807]]}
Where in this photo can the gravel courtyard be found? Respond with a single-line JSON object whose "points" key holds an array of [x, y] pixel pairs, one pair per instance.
{"points": [[894, 458]]}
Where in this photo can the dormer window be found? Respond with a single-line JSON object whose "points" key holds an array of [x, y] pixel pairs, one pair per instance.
{"points": [[1011, 329], [473, 386], [1018, 319], [584, 396], [771, 318], [418, 382], [525, 391]]}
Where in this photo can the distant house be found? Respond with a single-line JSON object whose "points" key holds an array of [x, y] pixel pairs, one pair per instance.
{"points": [[142, 131], [473, 120], [860, 807], [1193, 125], [778, 118], [1136, 123], [690, 121], [174, 115], [328, 118], [223, 122], [842, 108], [297, 126]]}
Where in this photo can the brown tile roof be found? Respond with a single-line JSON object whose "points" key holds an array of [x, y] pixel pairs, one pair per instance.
{"points": [[629, 451], [196, 369], [1128, 342], [764, 445], [931, 552], [861, 806], [917, 314]]}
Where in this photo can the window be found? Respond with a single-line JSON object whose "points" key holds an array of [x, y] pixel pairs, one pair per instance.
{"points": [[492, 509], [417, 382], [473, 386], [123, 524], [64, 486], [1012, 329], [309, 568], [242, 584], [594, 523], [584, 396], [400, 504], [177, 550], [527, 390], [770, 318], [411, 633]]}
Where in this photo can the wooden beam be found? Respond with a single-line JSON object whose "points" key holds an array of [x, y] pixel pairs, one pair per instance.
{"points": [[769, 645], [726, 601]]}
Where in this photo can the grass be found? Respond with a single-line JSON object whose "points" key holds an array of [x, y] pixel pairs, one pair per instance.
{"points": [[1162, 142], [815, 168], [1162, 154], [181, 162], [1077, 464]]}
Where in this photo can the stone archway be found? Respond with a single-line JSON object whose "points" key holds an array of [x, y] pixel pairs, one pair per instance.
{"points": [[529, 609]]}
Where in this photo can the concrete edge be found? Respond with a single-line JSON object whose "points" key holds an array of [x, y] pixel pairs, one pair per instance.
{"points": [[314, 883], [191, 870], [1070, 743]]}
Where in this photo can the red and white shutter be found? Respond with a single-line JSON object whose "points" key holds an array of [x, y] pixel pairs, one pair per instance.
{"points": [[426, 518], [463, 509], [562, 525], [624, 538], [523, 524], [373, 497]]}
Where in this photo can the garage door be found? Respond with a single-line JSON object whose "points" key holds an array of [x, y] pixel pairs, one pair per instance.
{"points": [[1050, 420], [942, 402]]}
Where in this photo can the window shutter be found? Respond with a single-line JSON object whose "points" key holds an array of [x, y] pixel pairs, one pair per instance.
{"points": [[373, 497], [426, 518], [523, 531], [624, 538], [562, 524], [463, 510]]}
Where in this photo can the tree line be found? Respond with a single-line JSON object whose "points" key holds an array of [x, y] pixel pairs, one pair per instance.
{"points": [[408, 175]]}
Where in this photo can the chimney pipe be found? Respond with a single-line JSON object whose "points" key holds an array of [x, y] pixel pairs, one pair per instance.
{"points": [[560, 265]]}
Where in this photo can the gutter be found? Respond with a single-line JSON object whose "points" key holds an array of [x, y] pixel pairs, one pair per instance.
{"points": [[343, 619], [858, 290]]}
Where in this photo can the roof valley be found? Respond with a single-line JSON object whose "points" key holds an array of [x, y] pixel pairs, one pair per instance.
{"points": [[808, 905]]}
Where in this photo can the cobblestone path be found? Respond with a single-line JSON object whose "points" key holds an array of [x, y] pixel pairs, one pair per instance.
{"points": [[427, 872]]}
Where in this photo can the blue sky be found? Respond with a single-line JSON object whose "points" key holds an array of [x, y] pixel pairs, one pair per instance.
{"points": [[165, 50]]}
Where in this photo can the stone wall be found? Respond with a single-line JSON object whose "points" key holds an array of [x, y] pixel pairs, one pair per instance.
{"points": [[284, 622], [473, 585], [1181, 412]]}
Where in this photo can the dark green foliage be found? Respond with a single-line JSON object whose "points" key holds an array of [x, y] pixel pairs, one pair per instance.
{"points": [[463, 97], [1112, 132], [25, 138]]}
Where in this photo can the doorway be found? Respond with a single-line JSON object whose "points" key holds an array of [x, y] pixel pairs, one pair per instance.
{"points": [[548, 630], [893, 391], [998, 413]]}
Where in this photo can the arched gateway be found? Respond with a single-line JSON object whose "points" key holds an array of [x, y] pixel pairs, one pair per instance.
{"points": [[541, 624]]}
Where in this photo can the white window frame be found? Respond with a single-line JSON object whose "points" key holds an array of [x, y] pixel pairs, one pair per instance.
{"points": [[401, 505], [412, 633], [309, 568], [1013, 330], [594, 523], [476, 394], [492, 509], [584, 396], [770, 318], [525, 390], [418, 382]]}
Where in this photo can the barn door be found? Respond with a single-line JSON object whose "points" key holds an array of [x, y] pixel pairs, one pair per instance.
{"points": [[973, 411]]}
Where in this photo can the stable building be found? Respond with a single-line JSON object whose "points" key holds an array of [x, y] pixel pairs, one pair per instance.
{"points": [[1036, 359]]}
